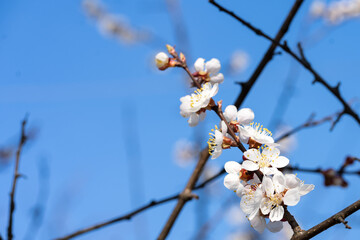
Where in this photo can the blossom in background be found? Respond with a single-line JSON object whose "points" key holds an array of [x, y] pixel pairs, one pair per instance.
{"points": [[239, 61], [267, 160], [185, 152], [209, 71], [337, 11], [194, 106]]}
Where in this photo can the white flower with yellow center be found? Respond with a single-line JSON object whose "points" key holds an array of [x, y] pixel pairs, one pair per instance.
{"points": [[215, 142], [277, 194], [193, 106], [267, 160], [243, 116], [208, 71], [257, 133]]}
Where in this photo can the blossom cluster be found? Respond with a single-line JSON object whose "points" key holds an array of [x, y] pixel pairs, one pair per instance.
{"points": [[336, 12], [264, 190]]}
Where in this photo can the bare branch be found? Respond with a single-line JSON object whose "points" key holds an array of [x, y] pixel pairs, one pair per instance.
{"points": [[333, 220], [301, 59], [15, 177]]}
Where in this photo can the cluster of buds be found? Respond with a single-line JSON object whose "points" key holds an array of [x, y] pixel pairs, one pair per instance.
{"points": [[264, 190], [336, 12]]}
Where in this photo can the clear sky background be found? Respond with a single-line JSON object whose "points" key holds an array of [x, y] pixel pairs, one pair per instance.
{"points": [[85, 92]]}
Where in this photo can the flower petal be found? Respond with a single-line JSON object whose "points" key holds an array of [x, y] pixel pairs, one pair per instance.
{"points": [[258, 223], [292, 197], [213, 66], [274, 226], [193, 120], [280, 162], [306, 188], [279, 182], [276, 214], [292, 181], [245, 116], [232, 181], [250, 166], [253, 155], [270, 153], [265, 206], [217, 78], [199, 64], [230, 113], [232, 167], [268, 186]]}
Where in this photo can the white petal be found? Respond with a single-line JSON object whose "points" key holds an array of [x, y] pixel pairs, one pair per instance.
{"points": [[161, 59], [213, 66], [270, 152], [258, 223], [216, 153], [232, 167], [230, 113], [292, 181], [277, 214], [274, 226], [280, 162], [279, 182], [268, 186], [253, 155], [223, 127], [193, 120], [245, 116], [232, 181], [199, 64], [265, 206], [202, 116], [239, 190], [250, 166], [292, 197], [306, 188], [214, 90], [217, 78]]}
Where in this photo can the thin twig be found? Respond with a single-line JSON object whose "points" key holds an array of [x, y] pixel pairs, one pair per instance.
{"points": [[301, 59], [127, 216], [15, 177], [333, 220]]}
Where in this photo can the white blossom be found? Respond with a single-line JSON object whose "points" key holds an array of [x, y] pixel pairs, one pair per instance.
{"points": [[243, 116], [267, 160], [215, 142], [161, 60], [256, 132], [209, 71], [193, 106]]}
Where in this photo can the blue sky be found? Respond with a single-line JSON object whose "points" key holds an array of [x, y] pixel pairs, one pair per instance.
{"points": [[83, 91]]}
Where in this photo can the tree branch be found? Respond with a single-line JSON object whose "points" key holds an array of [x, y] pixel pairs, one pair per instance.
{"points": [[301, 59], [15, 177], [333, 220]]}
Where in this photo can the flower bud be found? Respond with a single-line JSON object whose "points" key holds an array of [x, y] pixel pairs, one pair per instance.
{"points": [[162, 60]]}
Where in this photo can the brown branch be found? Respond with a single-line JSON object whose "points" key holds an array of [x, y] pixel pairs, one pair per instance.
{"points": [[301, 59], [310, 123], [15, 178], [333, 220], [127, 216]]}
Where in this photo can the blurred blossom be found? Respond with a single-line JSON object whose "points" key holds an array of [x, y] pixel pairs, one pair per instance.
{"points": [[288, 144], [111, 25], [185, 152], [239, 61], [337, 11], [240, 236], [235, 216]]}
